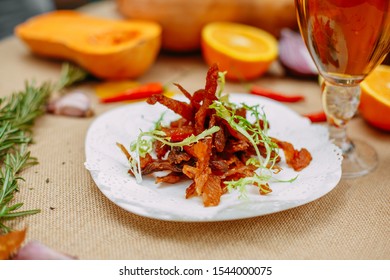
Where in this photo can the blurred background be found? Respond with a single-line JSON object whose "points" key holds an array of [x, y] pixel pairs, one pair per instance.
{"points": [[13, 12]]}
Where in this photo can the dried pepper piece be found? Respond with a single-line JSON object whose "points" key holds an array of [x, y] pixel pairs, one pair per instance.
{"points": [[179, 107], [260, 91]]}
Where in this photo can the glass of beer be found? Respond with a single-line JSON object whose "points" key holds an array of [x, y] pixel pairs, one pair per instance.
{"points": [[347, 39]]}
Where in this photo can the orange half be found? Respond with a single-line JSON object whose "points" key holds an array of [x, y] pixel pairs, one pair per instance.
{"points": [[375, 98], [244, 51]]}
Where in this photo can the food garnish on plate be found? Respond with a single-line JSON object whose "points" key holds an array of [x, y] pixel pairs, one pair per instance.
{"points": [[216, 144]]}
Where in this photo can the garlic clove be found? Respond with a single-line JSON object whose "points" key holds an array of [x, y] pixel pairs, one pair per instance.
{"points": [[35, 250], [74, 104]]}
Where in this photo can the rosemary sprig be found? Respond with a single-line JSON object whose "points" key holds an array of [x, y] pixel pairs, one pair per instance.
{"points": [[70, 74], [18, 113], [13, 164]]}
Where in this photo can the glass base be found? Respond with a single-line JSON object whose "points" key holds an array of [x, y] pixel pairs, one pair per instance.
{"points": [[360, 159]]}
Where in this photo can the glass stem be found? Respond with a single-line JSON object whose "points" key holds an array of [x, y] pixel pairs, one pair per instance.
{"points": [[340, 105]]}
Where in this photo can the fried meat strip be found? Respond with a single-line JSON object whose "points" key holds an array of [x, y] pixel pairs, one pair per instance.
{"points": [[219, 166], [209, 95], [143, 160], [170, 178], [238, 172], [160, 149], [212, 191], [206, 184], [201, 115], [160, 165], [184, 91], [219, 138], [197, 98], [202, 152], [179, 123], [179, 107], [124, 150], [190, 191], [234, 146], [177, 134], [297, 159], [212, 82], [231, 131], [177, 156], [263, 152]]}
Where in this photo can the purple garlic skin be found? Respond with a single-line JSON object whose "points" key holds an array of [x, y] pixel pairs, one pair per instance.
{"points": [[35, 250]]}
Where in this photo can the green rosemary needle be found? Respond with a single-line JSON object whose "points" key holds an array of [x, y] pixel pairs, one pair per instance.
{"points": [[70, 74], [17, 115]]}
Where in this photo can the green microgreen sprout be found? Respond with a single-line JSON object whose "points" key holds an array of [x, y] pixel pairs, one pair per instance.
{"points": [[70, 74], [221, 84]]}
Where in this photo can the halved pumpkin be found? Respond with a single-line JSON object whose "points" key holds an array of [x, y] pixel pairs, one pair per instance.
{"points": [[108, 49]]}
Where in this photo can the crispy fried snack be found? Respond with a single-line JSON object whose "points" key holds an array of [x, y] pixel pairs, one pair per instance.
{"points": [[216, 159]]}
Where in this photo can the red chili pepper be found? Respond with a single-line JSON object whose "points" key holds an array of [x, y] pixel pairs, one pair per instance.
{"points": [[316, 117], [275, 95], [140, 92]]}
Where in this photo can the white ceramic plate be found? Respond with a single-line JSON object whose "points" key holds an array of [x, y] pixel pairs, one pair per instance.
{"points": [[108, 166]]}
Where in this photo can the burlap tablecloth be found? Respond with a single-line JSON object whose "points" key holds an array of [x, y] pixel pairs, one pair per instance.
{"points": [[351, 222]]}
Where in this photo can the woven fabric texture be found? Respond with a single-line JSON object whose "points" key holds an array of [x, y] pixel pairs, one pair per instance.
{"points": [[351, 222]]}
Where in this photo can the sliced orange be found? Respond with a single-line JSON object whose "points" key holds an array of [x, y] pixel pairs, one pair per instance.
{"points": [[375, 99], [245, 52]]}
